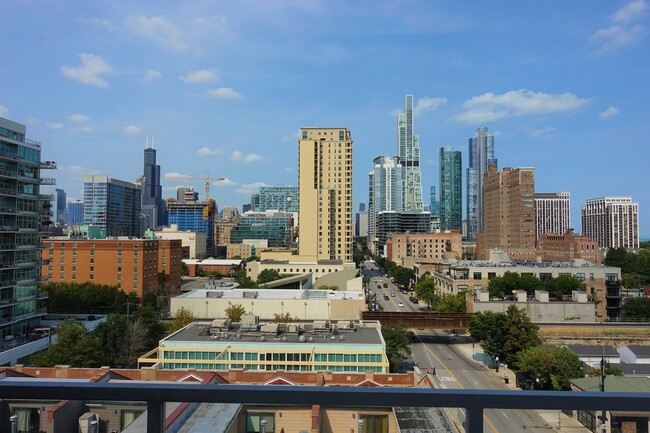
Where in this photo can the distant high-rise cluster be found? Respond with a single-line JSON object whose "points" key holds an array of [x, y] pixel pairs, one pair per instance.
{"points": [[408, 147], [481, 155], [385, 192]]}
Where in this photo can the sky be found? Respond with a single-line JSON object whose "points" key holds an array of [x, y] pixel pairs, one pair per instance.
{"points": [[224, 86]]}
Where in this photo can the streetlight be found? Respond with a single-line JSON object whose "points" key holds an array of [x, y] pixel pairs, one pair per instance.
{"points": [[505, 370], [496, 358]]}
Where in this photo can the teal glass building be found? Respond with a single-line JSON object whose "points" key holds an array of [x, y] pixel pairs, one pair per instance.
{"points": [[451, 186]]}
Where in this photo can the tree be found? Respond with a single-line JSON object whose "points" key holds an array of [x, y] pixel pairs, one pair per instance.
{"points": [[240, 277], [268, 275], [564, 284], [425, 289], [234, 312], [554, 367], [183, 317], [185, 271], [636, 308], [487, 328], [397, 344], [615, 257], [282, 318], [451, 303], [75, 346], [520, 333], [402, 276]]}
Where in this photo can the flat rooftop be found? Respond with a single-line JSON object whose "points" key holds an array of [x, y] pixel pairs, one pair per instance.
{"points": [[281, 294], [368, 333]]}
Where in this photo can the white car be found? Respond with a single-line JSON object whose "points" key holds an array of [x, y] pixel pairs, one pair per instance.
{"points": [[400, 304]]}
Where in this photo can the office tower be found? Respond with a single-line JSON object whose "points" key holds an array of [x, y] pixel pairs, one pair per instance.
{"points": [[552, 213], [451, 184], [435, 204], [325, 186], [282, 198], [60, 216], [194, 216], [75, 212], [509, 212], [400, 222], [255, 202], [408, 148], [361, 221], [24, 215], [385, 192], [481, 155], [153, 205], [613, 222], [274, 227], [112, 205], [362, 206], [246, 207]]}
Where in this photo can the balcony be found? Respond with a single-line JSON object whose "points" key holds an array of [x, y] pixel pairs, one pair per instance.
{"points": [[47, 181], [48, 165], [473, 401]]}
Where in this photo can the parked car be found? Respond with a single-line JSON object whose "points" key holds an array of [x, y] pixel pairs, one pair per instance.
{"points": [[392, 294], [413, 299], [385, 285], [400, 304], [386, 297]]}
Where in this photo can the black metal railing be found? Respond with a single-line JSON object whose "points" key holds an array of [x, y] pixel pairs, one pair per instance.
{"points": [[473, 401]]}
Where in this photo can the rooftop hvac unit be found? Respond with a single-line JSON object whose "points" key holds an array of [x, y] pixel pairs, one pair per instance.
{"points": [[346, 324], [270, 328], [293, 328], [320, 325], [249, 319], [220, 323], [88, 423]]}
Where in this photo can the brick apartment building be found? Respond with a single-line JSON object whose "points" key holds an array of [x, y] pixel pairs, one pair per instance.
{"points": [[564, 248], [133, 265], [406, 248]]}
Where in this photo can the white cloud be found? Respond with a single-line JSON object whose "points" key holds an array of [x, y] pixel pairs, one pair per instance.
{"points": [[174, 175], [151, 75], [490, 107], [131, 130], [90, 72], [77, 171], [158, 29], [200, 76], [206, 151], [78, 118], [240, 157], [621, 32], [54, 125], [289, 169], [427, 104], [223, 93], [84, 129], [547, 133], [610, 113], [4, 111], [30, 120], [250, 188], [225, 182], [99, 22]]}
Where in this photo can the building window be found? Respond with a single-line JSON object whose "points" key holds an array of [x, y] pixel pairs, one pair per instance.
{"points": [[128, 416], [28, 419], [119, 269], [92, 260], [374, 423], [253, 422]]}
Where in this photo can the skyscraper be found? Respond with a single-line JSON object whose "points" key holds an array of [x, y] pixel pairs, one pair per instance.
{"points": [[20, 224], [435, 203], [112, 205], [481, 155], [552, 213], [282, 198], [153, 205], [60, 210], [75, 212], [509, 223], [408, 149], [385, 192], [451, 185], [325, 190], [613, 222], [194, 216]]}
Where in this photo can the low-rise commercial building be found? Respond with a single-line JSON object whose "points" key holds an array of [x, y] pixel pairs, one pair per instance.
{"points": [[195, 243], [267, 303], [318, 346], [408, 248], [285, 262]]}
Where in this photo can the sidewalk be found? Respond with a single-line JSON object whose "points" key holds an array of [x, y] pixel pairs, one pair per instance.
{"points": [[555, 419]]}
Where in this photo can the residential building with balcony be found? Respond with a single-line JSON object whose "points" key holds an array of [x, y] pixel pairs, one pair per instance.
{"points": [[613, 222], [112, 205], [390, 222], [552, 213], [274, 227]]}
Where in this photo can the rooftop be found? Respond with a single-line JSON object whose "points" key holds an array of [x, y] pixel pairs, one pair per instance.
{"points": [[237, 294]]}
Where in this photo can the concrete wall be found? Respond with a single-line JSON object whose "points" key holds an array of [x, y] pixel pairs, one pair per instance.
{"points": [[542, 312]]}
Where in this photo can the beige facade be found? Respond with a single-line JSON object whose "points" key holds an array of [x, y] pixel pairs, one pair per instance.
{"points": [[325, 189], [295, 266], [222, 231], [266, 303], [243, 251], [509, 213], [196, 242], [407, 248]]}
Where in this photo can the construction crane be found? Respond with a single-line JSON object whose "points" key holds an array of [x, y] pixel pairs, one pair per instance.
{"points": [[207, 210], [207, 180]]}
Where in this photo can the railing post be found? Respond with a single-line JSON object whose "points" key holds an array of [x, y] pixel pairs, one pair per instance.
{"points": [[473, 419], [155, 416]]}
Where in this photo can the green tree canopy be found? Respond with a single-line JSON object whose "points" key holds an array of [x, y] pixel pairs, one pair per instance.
{"points": [[451, 303], [82, 297], [402, 275], [636, 308], [425, 289], [487, 328], [397, 344], [182, 318], [554, 367], [75, 346], [234, 312]]}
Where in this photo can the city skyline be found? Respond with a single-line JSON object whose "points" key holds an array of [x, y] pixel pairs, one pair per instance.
{"points": [[185, 73]]}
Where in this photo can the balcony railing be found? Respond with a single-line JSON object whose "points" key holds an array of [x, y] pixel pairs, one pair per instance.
{"points": [[473, 401]]}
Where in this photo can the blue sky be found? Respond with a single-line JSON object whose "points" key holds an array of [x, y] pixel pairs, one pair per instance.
{"points": [[224, 86]]}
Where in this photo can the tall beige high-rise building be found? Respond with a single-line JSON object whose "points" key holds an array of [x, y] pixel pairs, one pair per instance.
{"points": [[613, 222], [509, 213], [325, 189]]}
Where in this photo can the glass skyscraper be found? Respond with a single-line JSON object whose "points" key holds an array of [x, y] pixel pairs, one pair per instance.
{"points": [[276, 227], [75, 212], [451, 185], [282, 198], [408, 148], [435, 204], [112, 205], [385, 191], [153, 205], [481, 155]]}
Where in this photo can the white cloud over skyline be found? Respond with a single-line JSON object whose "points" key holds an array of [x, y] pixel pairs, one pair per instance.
{"points": [[158, 29], [151, 75], [131, 130], [622, 30], [174, 175], [427, 104], [206, 151], [250, 188], [90, 72], [79, 118], [610, 113], [199, 77], [516, 103], [4, 111], [223, 93], [54, 125], [237, 156]]}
